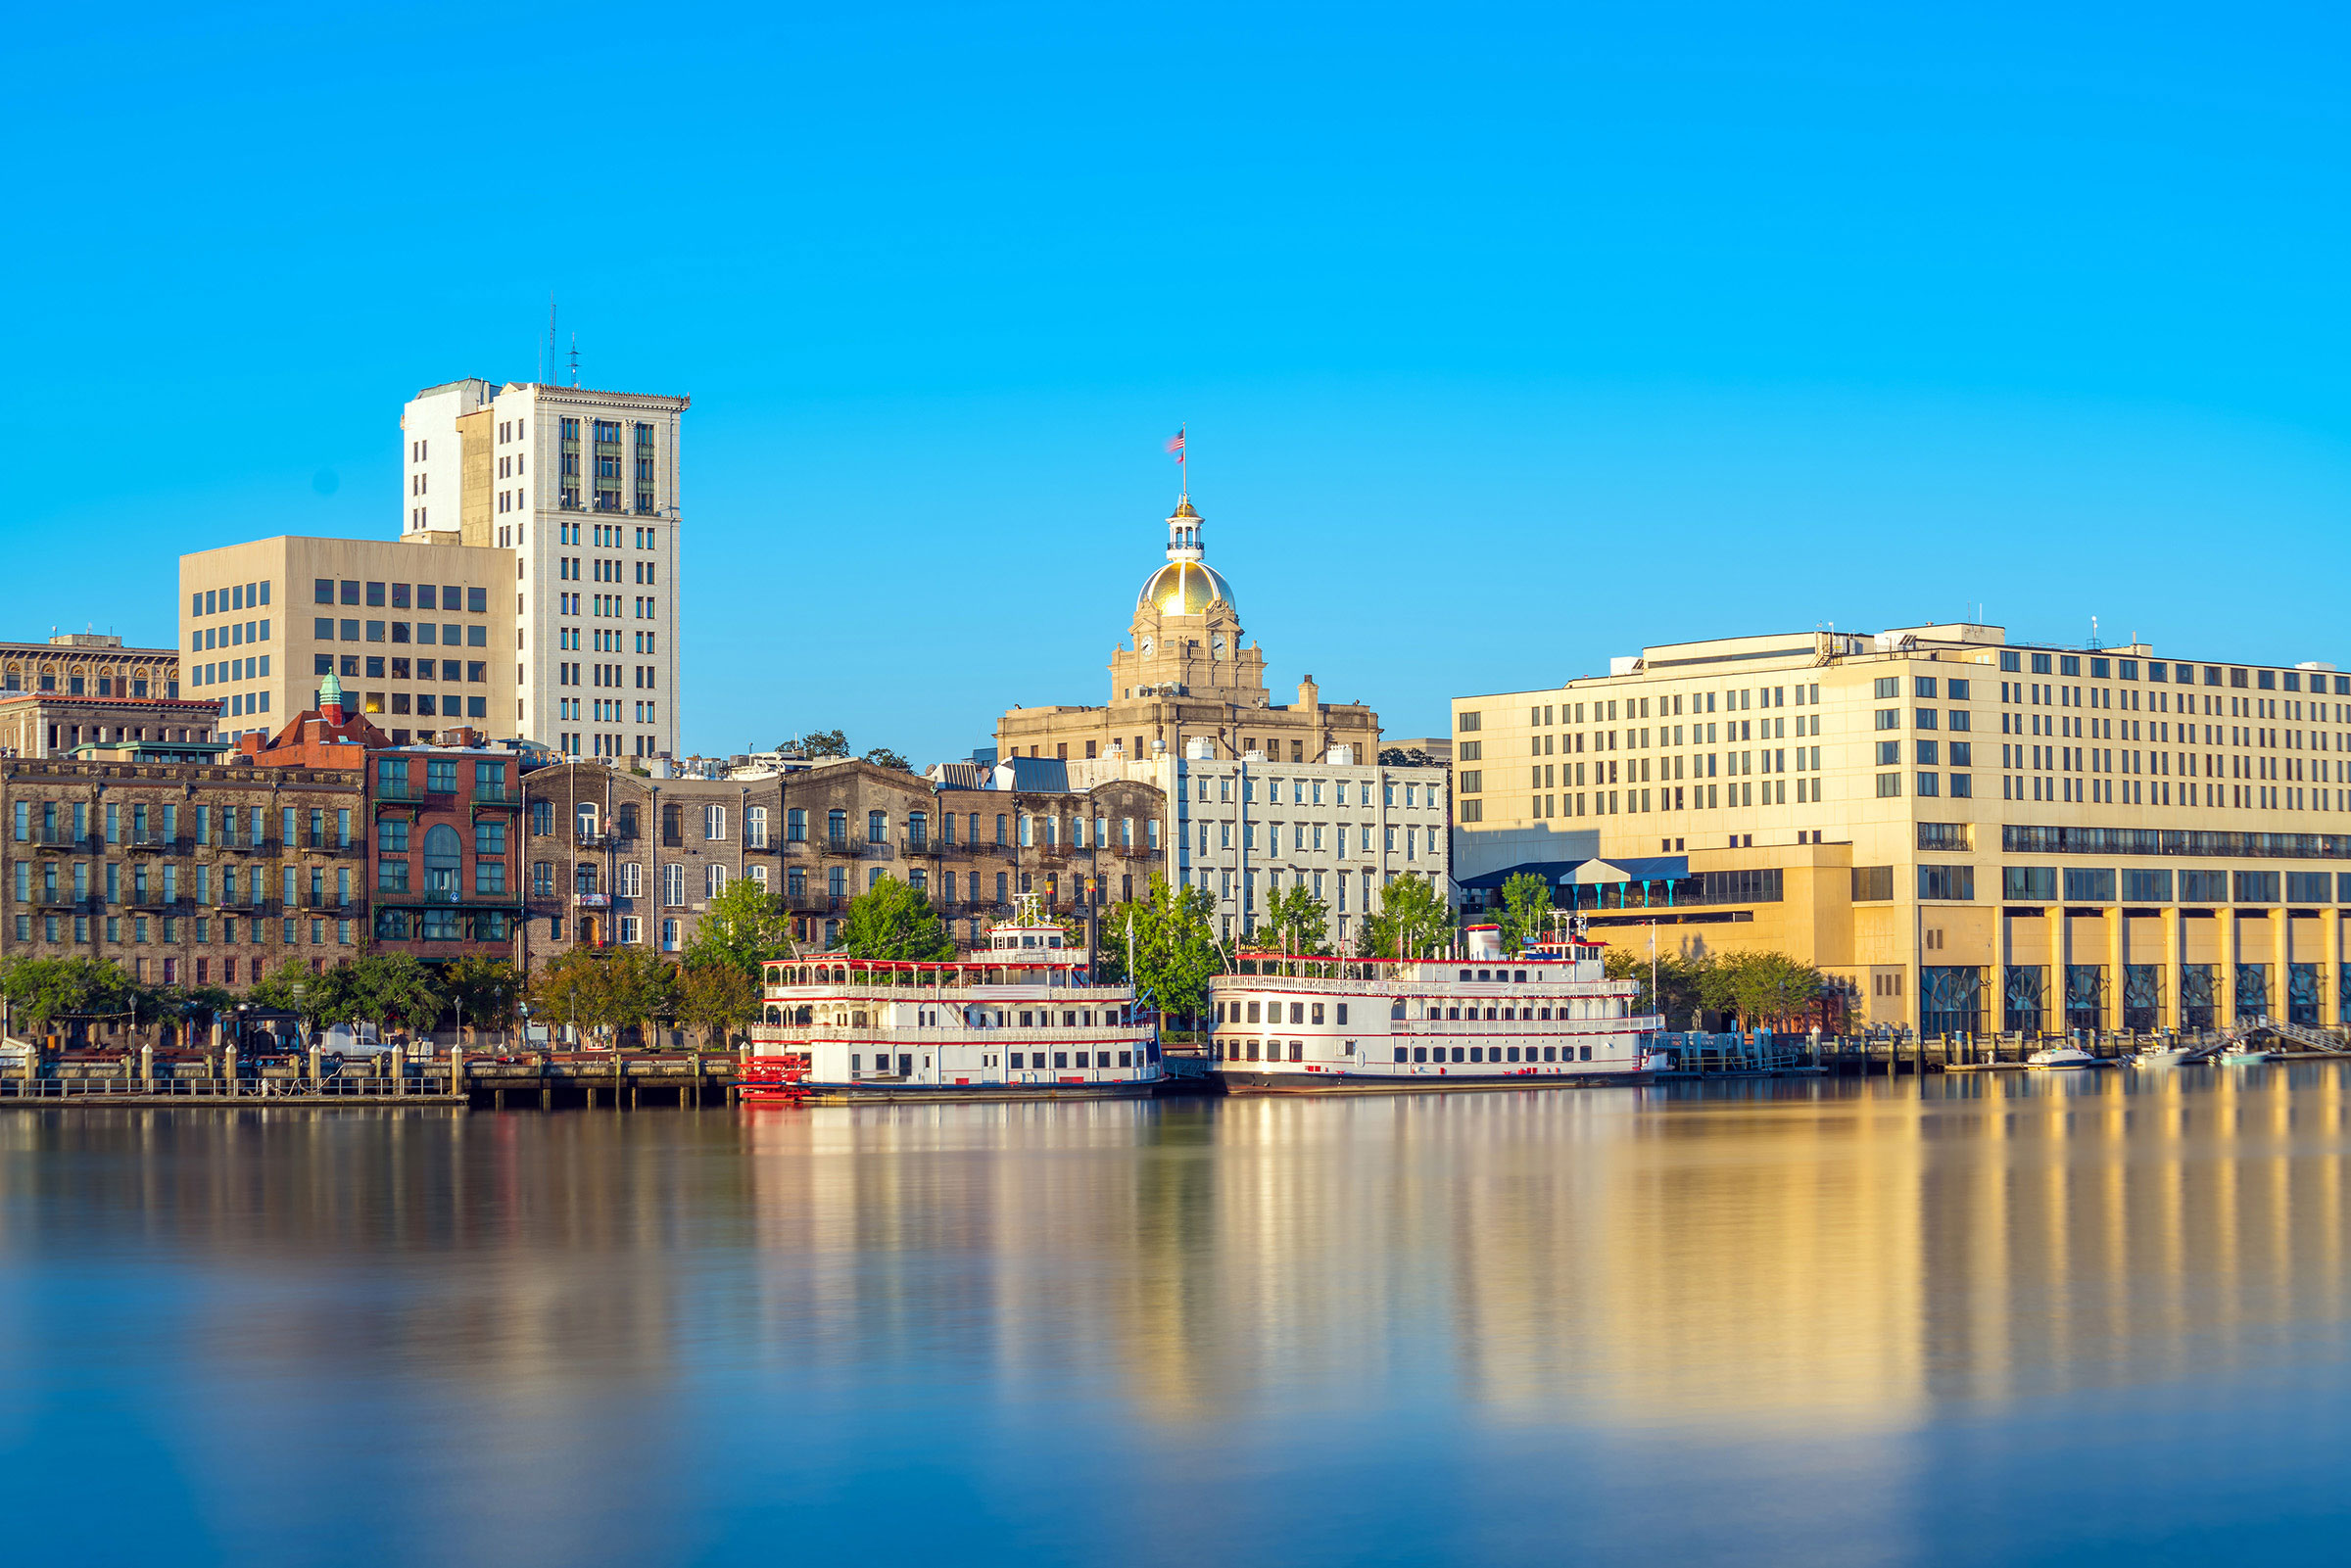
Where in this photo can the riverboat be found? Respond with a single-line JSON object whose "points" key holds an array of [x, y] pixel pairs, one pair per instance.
{"points": [[1547, 1018], [1022, 1018]]}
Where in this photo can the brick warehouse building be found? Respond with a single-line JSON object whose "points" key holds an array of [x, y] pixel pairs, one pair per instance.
{"points": [[183, 873], [615, 858]]}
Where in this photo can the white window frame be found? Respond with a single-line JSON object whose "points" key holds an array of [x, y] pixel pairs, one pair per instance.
{"points": [[714, 824], [631, 878], [673, 885], [714, 879], [754, 827]]}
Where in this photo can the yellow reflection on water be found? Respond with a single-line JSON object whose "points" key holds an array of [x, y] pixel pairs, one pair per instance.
{"points": [[1807, 1254]]}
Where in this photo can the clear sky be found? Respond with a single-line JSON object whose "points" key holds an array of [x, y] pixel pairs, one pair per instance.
{"points": [[1508, 339]]}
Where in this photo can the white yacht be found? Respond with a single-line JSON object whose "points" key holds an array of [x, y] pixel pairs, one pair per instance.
{"points": [[1020, 1020], [2059, 1057], [1547, 1018]]}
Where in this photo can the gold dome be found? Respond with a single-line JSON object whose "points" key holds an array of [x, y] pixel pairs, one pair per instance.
{"points": [[1184, 588]]}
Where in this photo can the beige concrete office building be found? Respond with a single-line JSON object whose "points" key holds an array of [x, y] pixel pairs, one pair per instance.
{"points": [[1968, 833], [419, 630]]}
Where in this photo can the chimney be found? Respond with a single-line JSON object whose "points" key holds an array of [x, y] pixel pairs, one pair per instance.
{"points": [[1309, 694]]}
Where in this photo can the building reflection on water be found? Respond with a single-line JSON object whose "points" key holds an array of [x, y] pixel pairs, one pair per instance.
{"points": [[574, 1294], [1792, 1254]]}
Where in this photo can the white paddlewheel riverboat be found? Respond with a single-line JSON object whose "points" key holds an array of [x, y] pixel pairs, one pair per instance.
{"points": [[1021, 1019], [1547, 1018]]}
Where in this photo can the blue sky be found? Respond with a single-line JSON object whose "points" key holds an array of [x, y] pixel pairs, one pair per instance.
{"points": [[1509, 339]]}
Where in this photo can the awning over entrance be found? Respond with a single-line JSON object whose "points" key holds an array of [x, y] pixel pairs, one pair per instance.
{"points": [[1589, 872]]}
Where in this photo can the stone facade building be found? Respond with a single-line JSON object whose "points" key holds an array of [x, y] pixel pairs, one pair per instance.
{"points": [[1186, 673], [82, 688], [611, 857], [183, 873]]}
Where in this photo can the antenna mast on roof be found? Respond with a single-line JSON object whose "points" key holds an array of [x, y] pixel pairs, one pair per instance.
{"points": [[546, 360], [575, 358]]}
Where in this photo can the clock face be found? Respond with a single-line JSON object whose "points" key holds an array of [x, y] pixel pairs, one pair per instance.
{"points": [[1146, 646], [1216, 646]]}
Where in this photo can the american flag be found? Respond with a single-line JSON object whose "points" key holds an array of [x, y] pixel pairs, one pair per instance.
{"points": [[1176, 443]]}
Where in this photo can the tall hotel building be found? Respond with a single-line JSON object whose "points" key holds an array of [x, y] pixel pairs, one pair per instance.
{"points": [[532, 589], [1969, 834], [582, 486]]}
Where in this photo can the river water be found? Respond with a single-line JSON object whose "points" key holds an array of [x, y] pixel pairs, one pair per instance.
{"points": [[1987, 1319]]}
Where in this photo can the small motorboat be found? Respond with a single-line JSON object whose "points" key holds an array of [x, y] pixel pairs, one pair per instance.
{"points": [[2248, 1057], [2061, 1056], [2164, 1056]]}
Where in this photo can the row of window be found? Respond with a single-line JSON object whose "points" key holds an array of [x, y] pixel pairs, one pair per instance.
{"points": [[1677, 797], [1080, 832], [107, 686], [1308, 838], [421, 633], [229, 601], [2100, 668], [55, 822], [446, 596], [49, 882], [235, 633], [1309, 792], [167, 931]]}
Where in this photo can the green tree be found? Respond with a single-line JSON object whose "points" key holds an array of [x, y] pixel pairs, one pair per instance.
{"points": [[396, 989], [600, 991], [484, 990], [1525, 910], [1761, 987], [42, 991], [1681, 982], [893, 921], [1298, 921], [717, 998], [1411, 921], [883, 757], [291, 987], [1175, 951], [744, 925], [823, 743]]}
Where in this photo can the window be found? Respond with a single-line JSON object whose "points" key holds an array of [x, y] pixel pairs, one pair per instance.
{"points": [[673, 885], [795, 825], [1947, 882], [1873, 885], [1888, 784], [754, 827], [714, 822], [2088, 884], [714, 880], [1888, 686]]}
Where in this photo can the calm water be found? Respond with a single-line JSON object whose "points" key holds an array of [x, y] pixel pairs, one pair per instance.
{"points": [[1998, 1320]]}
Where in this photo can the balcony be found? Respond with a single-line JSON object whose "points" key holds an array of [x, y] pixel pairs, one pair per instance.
{"points": [[443, 899], [816, 903], [592, 840], [399, 791], [152, 843], [922, 847]]}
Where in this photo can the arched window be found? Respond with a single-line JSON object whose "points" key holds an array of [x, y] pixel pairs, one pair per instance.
{"points": [[444, 861], [837, 828], [587, 818], [918, 828]]}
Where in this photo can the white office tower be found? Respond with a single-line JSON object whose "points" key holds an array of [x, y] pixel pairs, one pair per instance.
{"points": [[582, 485]]}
